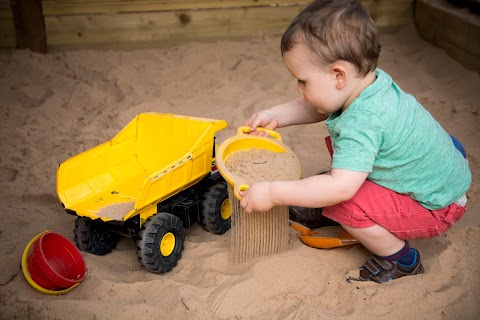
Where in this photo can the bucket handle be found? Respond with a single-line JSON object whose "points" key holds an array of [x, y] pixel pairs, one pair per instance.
{"points": [[26, 273], [273, 134], [237, 189]]}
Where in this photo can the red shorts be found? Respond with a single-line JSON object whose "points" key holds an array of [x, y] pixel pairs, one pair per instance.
{"points": [[398, 213]]}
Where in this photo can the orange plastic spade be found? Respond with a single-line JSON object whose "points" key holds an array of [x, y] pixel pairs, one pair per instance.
{"points": [[312, 239]]}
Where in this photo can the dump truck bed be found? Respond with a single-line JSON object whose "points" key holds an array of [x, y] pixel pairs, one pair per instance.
{"points": [[154, 157]]}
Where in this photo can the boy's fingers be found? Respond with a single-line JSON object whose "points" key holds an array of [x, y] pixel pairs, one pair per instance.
{"points": [[243, 204], [256, 122], [260, 132], [248, 122], [254, 125]]}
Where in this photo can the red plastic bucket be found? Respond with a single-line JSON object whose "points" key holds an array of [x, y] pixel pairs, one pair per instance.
{"points": [[55, 263]]}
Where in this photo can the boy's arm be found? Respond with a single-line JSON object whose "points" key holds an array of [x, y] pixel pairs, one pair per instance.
{"points": [[294, 112], [313, 192], [297, 111], [318, 191]]}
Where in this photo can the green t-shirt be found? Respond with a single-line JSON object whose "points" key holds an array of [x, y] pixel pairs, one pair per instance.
{"points": [[387, 133]]}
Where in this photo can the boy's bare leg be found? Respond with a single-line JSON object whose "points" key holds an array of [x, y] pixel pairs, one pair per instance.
{"points": [[377, 239]]}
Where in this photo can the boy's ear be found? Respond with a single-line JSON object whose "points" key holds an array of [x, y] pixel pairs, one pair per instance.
{"points": [[340, 75]]}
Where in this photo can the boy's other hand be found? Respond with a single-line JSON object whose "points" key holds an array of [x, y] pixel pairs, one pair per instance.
{"points": [[257, 198]]}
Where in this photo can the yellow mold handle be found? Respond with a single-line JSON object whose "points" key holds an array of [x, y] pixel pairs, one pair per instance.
{"points": [[273, 134], [26, 273]]}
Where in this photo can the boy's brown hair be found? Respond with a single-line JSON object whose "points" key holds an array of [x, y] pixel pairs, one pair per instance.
{"points": [[336, 30]]}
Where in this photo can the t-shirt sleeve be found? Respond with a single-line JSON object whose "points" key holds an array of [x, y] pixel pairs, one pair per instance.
{"points": [[358, 138]]}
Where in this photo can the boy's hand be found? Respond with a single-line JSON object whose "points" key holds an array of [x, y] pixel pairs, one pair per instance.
{"points": [[257, 198], [264, 118]]}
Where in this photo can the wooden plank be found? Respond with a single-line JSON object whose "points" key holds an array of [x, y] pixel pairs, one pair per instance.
{"points": [[217, 19], [66, 7], [5, 10], [7, 28], [388, 13], [7, 34], [85, 30], [384, 12], [454, 29]]}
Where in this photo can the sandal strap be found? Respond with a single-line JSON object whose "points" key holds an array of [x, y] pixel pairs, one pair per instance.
{"points": [[375, 265], [379, 270], [384, 270]]}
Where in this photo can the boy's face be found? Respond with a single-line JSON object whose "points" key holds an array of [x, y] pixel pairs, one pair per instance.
{"points": [[317, 84]]}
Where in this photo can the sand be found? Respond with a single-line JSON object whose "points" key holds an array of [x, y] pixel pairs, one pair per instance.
{"points": [[254, 165], [56, 105]]}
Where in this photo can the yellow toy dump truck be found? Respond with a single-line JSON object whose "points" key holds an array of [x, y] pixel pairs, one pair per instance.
{"points": [[153, 179]]}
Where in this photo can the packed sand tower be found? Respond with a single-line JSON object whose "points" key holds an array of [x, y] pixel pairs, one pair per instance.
{"points": [[259, 233]]}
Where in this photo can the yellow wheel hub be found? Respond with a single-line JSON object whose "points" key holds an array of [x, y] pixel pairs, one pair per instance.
{"points": [[226, 210], [167, 244]]}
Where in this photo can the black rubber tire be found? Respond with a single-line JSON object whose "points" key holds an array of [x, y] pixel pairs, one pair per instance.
{"points": [[211, 217], [94, 237], [150, 238]]}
